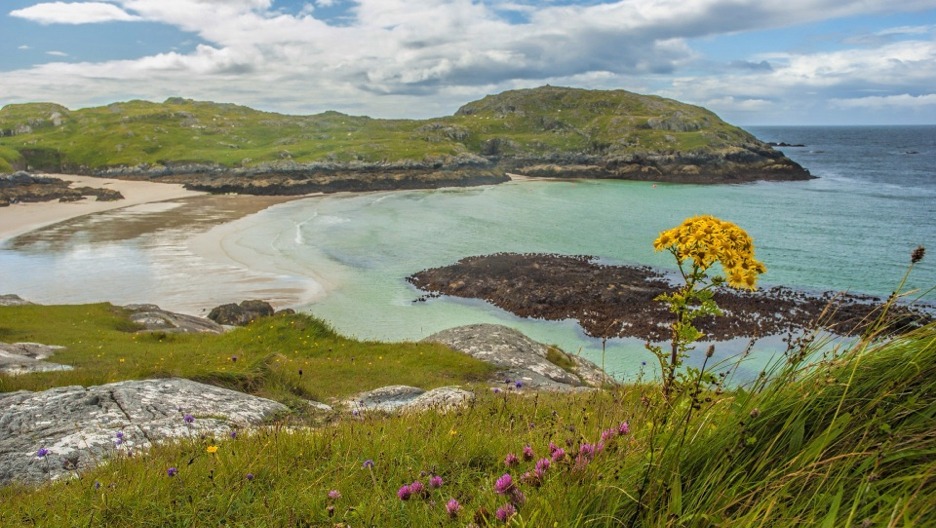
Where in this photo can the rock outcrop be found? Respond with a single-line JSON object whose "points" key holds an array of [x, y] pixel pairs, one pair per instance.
{"points": [[24, 187], [403, 399], [152, 318], [65, 430], [12, 300], [240, 314], [521, 359], [25, 358]]}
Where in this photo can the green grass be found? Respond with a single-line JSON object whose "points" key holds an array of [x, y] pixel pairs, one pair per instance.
{"points": [[543, 122], [848, 441], [270, 353]]}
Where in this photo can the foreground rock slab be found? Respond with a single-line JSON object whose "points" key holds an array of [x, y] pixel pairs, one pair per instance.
{"points": [[78, 426], [154, 319], [522, 359]]}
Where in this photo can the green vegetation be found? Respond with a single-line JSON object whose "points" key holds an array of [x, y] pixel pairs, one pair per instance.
{"points": [[284, 357], [847, 442], [541, 123]]}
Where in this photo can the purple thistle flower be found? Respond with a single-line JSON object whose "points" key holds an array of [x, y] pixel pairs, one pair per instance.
{"points": [[587, 451], [334, 494], [172, 472], [503, 484], [608, 434], [558, 454], [553, 448], [42, 452], [511, 460], [518, 384], [249, 476], [624, 428], [452, 507], [528, 453], [404, 492], [120, 435], [188, 418], [496, 390], [505, 512], [507, 381], [435, 482], [368, 464], [541, 466], [233, 434], [417, 488]]}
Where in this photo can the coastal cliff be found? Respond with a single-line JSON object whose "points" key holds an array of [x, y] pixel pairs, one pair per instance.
{"points": [[545, 132]]}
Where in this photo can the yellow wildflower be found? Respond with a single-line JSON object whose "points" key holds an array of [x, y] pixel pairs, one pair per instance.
{"points": [[212, 449]]}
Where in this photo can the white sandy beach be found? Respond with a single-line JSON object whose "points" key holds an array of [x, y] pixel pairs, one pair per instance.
{"points": [[21, 218]]}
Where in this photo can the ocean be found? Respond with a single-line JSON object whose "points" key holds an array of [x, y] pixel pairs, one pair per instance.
{"points": [[344, 257]]}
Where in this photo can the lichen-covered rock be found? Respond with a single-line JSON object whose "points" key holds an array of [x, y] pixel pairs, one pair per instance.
{"points": [[77, 427], [154, 319], [12, 300], [402, 398], [25, 358], [521, 358]]}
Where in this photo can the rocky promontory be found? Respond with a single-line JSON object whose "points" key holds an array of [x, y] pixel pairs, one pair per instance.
{"points": [[619, 301], [544, 132]]}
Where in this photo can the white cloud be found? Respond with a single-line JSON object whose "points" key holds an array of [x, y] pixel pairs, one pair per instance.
{"points": [[887, 101], [73, 13], [23, 47], [57, 53], [388, 52]]}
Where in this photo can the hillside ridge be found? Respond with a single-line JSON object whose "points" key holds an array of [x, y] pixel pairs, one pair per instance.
{"points": [[547, 132]]}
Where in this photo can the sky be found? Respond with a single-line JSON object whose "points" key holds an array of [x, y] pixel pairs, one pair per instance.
{"points": [[753, 62]]}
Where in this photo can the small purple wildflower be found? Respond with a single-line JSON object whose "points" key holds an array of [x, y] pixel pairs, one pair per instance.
{"points": [[553, 448], [188, 418], [517, 497], [503, 484], [42, 452], [518, 384], [172, 472], [624, 428], [330, 510], [528, 453], [507, 381], [511, 460], [435, 482], [558, 454], [355, 412], [120, 435], [452, 507], [233, 434], [97, 485], [368, 464], [505, 512], [249, 476], [496, 390], [334, 494], [608, 434], [233, 359], [541, 466], [404, 492]]}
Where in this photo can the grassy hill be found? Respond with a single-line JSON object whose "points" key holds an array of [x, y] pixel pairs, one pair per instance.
{"points": [[547, 130]]}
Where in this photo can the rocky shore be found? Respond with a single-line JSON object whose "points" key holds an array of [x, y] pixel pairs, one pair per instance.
{"points": [[25, 187], [618, 301]]}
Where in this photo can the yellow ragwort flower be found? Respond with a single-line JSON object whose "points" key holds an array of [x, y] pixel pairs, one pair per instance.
{"points": [[212, 449], [706, 239]]}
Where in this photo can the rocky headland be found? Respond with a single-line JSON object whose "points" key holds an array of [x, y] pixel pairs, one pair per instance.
{"points": [[543, 132], [618, 301]]}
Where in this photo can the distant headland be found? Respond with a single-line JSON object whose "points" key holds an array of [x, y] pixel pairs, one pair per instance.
{"points": [[544, 132]]}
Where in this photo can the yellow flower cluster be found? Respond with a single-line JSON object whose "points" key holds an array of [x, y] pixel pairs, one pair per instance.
{"points": [[706, 239]]}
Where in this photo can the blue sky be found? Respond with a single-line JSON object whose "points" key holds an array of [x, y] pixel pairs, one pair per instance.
{"points": [[753, 62]]}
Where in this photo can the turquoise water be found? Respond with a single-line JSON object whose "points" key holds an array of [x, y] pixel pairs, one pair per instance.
{"points": [[852, 229]]}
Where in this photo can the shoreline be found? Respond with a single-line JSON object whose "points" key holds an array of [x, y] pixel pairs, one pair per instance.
{"points": [[21, 218]]}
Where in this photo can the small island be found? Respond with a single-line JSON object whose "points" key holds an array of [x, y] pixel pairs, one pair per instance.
{"points": [[544, 132]]}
